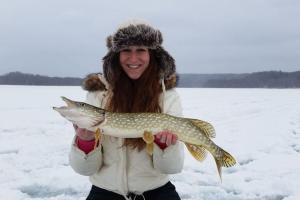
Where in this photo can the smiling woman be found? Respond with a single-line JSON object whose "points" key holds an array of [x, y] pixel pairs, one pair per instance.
{"points": [[138, 76]]}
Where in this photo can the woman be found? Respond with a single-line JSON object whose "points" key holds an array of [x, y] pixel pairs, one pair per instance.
{"points": [[138, 76]]}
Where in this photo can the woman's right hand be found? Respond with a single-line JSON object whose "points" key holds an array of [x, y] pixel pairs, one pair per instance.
{"points": [[84, 134]]}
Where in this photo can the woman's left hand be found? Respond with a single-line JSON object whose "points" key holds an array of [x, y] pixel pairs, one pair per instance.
{"points": [[166, 137]]}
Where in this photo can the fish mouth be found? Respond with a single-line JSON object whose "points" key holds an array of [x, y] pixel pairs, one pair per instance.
{"points": [[69, 102], [81, 117]]}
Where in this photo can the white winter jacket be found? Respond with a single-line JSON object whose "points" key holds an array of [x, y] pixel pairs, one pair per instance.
{"points": [[120, 169]]}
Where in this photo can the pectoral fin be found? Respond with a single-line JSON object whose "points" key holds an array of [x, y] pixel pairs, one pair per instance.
{"points": [[97, 137], [148, 137]]}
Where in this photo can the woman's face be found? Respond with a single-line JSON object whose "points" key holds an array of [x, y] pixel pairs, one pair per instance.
{"points": [[134, 61]]}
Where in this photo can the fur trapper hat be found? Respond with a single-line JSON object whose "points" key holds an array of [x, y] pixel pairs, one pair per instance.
{"points": [[136, 33]]}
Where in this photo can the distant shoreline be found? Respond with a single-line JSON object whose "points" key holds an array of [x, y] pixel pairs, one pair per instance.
{"points": [[266, 79]]}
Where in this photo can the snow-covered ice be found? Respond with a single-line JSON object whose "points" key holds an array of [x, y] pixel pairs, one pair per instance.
{"points": [[260, 127]]}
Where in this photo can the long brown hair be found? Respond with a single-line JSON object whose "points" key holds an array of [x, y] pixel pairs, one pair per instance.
{"points": [[141, 95]]}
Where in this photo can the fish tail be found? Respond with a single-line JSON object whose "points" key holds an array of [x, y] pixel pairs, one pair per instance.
{"points": [[219, 167], [226, 160]]}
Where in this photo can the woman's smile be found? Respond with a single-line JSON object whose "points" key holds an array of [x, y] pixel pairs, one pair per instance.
{"points": [[133, 66]]}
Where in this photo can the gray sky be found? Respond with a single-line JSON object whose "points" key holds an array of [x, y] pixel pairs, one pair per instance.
{"points": [[67, 37]]}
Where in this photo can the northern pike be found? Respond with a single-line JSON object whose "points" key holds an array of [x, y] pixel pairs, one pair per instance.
{"points": [[194, 133]]}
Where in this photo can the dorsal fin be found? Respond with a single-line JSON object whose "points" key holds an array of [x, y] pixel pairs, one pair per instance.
{"points": [[205, 127], [197, 151]]}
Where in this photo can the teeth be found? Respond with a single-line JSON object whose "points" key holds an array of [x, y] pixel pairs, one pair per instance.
{"points": [[133, 66]]}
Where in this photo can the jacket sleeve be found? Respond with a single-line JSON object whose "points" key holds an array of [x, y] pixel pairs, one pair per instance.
{"points": [[171, 159], [86, 164]]}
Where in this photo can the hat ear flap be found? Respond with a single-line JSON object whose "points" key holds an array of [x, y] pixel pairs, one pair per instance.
{"points": [[108, 66], [165, 61], [92, 83]]}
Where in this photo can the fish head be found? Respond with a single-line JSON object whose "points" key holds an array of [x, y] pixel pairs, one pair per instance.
{"points": [[82, 114]]}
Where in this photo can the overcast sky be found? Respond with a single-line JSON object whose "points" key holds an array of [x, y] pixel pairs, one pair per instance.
{"points": [[67, 37]]}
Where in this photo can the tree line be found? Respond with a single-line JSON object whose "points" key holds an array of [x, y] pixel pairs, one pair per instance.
{"points": [[270, 79], [267, 79], [19, 78]]}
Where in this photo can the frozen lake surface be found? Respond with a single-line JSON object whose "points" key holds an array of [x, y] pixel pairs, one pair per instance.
{"points": [[260, 127]]}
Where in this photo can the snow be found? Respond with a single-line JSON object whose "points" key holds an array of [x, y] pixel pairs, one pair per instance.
{"points": [[260, 127]]}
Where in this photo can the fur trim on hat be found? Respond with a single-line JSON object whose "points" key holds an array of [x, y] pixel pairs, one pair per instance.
{"points": [[138, 35], [134, 35], [93, 83]]}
